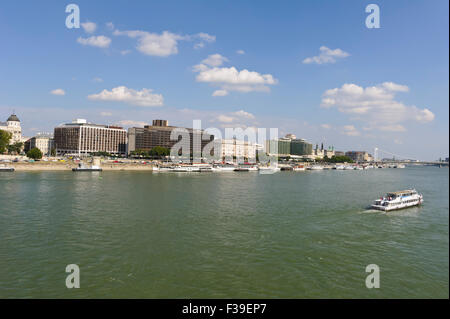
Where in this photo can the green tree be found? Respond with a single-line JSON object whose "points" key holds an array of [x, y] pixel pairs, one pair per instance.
{"points": [[159, 151], [15, 148], [34, 153], [53, 152], [4, 140]]}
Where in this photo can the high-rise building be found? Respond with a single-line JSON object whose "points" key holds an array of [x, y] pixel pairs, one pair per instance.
{"points": [[288, 146], [159, 134], [83, 138]]}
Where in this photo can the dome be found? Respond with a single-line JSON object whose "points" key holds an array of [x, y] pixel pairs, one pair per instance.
{"points": [[13, 117]]}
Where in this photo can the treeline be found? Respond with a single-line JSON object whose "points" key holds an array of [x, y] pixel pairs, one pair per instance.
{"points": [[336, 159], [156, 152]]}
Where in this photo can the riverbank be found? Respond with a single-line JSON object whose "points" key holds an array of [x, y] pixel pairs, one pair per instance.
{"points": [[64, 166]]}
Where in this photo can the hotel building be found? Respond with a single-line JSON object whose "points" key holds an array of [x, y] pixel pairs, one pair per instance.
{"points": [[230, 149], [159, 134], [83, 138]]}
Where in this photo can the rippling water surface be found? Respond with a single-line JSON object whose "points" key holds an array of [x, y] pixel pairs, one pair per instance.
{"points": [[228, 235]]}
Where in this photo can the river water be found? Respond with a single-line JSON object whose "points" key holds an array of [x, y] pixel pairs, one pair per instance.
{"points": [[222, 235]]}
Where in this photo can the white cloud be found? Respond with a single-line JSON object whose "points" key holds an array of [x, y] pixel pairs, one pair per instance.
{"points": [[350, 130], [375, 105], [96, 41], [240, 52], [220, 93], [326, 55], [58, 92], [130, 123], [204, 37], [163, 44], [110, 25], [325, 126], [215, 60], [244, 114], [89, 27], [125, 52], [105, 113], [97, 79], [231, 79], [145, 97], [236, 118]]}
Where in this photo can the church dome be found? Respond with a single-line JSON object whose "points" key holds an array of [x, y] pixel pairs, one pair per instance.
{"points": [[13, 117]]}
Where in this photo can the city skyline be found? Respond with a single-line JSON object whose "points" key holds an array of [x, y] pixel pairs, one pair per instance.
{"points": [[319, 74]]}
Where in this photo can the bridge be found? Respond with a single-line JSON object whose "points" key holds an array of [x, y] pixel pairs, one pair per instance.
{"points": [[403, 159]]}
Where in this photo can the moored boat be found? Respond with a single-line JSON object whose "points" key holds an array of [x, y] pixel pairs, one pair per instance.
{"points": [[4, 168], [83, 168]]}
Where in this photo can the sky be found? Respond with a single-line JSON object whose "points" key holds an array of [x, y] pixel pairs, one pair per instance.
{"points": [[311, 68]]}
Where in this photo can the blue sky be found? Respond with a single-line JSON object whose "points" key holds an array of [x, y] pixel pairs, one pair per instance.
{"points": [[366, 88]]}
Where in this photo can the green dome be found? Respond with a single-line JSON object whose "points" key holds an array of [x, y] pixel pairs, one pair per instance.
{"points": [[13, 117]]}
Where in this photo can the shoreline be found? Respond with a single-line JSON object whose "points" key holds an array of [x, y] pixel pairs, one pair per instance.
{"points": [[29, 167]]}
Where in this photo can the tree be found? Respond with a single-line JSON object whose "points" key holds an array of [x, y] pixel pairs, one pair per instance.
{"points": [[34, 153], [53, 152], [159, 151], [15, 148], [4, 140]]}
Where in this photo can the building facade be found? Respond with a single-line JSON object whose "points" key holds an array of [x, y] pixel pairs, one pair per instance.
{"points": [[83, 138], [163, 135], [44, 142], [289, 146], [359, 156], [230, 149], [12, 125]]}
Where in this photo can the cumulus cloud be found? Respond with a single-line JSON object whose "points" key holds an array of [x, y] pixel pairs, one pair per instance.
{"points": [[164, 44], [89, 27], [96, 41], [145, 97], [110, 25], [375, 105], [326, 55], [230, 78], [240, 52], [239, 118], [215, 60], [58, 92], [105, 113]]}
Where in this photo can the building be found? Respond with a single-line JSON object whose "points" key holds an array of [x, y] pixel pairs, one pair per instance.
{"points": [[230, 149], [43, 141], [339, 153], [83, 138], [159, 134], [359, 156], [12, 125], [289, 146]]}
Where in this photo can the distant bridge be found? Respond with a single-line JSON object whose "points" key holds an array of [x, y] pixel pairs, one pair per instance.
{"points": [[403, 159]]}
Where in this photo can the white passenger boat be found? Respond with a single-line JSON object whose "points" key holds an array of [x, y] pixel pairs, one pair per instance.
{"points": [[298, 168], [186, 169], [401, 166], [398, 200], [83, 168], [339, 167], [269, 169], [349, 167], [315, 168], [4, 168], [224, 168]]}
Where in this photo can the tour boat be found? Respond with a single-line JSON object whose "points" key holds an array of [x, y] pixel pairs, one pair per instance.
{"points": [[4, 168], [398, 200], [82, 168], [339, 167], [315, 168], [298, 168], [349, 167], [401, 166], [186, 169], [269, 169], [225, 168]]}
